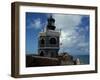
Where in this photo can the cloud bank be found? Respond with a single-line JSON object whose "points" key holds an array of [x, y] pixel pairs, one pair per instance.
{"points": [[74, 36]]}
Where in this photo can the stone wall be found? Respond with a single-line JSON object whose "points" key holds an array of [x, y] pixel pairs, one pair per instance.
{"points": [[64, 59]]}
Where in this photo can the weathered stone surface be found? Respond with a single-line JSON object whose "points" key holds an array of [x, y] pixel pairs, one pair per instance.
{"points": [[62, 59]]}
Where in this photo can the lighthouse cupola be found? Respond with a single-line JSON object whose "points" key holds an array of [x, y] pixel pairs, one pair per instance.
{"points": [[51, 23]]}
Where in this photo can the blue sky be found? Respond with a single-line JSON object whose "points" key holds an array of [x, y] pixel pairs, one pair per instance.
{"points": [[74, 32]]}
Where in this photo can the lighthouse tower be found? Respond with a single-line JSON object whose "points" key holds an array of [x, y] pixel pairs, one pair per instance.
{"points": [[48, 42]]}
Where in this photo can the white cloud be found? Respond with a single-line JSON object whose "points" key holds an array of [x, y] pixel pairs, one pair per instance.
{"points": [[36, 23], [70, 37], [67, 21]]}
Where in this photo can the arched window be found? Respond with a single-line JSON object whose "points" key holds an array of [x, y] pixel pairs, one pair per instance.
{"points": [[41, 53], [53, 41], [42, 41]]}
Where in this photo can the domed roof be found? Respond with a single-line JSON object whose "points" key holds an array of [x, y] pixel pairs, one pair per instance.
{"points": [[51, 19], [51, 23]]}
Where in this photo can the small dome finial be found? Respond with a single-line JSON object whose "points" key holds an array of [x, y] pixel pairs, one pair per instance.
{"points": [[51, 19], [51, 16]]}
